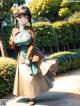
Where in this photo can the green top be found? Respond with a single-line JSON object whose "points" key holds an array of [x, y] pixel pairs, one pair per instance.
{"points": [[23, 39]]}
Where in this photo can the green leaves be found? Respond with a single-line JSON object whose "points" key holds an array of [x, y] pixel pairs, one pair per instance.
{"points": [[75, 16], [68, 8], [53, 9], [5, 5], [44, 34], [44, 8], [64, 12], [68, 60], [7, 73], [67, 32]]}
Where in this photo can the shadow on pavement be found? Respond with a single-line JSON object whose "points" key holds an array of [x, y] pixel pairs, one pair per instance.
{"points": [[55, 99]]}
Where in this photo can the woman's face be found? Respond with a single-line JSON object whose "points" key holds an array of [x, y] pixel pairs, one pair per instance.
{"points": [[22, 19]]}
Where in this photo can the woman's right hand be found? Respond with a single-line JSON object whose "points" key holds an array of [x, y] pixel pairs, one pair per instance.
{"points": [[15, 31], [27, 62]]}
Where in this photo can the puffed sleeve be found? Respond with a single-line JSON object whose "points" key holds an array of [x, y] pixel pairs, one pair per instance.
{"points": [[22, 38]]}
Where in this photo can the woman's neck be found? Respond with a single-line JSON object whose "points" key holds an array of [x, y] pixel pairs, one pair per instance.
{"points": [[21, 28]]}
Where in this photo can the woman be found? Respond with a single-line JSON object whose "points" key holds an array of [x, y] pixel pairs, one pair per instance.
{"points": [[32, 77]]}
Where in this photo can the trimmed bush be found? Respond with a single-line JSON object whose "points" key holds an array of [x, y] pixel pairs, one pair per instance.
{"points": [[68, 34], [61, 35], [45, 36], [67, 60], [7, 72]]}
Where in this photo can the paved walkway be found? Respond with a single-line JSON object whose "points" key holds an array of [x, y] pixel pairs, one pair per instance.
{"points": [[66, 92]]}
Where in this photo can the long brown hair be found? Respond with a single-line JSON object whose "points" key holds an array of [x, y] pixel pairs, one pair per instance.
{"points": [[26, 11]]}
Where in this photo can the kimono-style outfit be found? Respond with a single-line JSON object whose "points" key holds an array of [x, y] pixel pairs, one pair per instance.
{"points": [[26, 84]]}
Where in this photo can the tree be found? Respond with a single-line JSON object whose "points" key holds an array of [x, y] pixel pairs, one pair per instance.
{"points": [[68, 8], [64, 12], [4, 8], [53, 9], [75, 16], [45, 8], [19, 2]]}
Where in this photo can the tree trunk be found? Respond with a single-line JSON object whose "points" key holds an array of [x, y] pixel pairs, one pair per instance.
{"points": [[57, 43], [3, 49], [51, 50], [74, 46], [57, 47], [67, 46], [2, 44], [64, 47]]}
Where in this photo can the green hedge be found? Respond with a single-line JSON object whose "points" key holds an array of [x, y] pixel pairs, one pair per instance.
{"points": [[67, 60], [61, 35], [68, 34], [7, 72], [44, 35]]}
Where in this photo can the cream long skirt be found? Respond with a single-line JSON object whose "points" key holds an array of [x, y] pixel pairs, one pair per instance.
{"points": [[27, 85]]}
